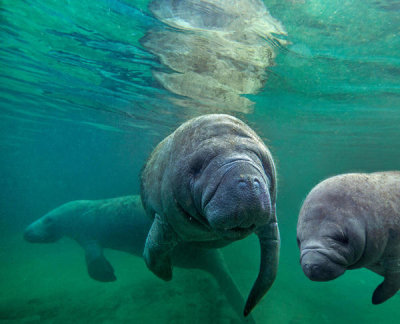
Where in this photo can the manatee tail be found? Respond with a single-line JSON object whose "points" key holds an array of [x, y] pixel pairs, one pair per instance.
{"points": [[269, 246]]}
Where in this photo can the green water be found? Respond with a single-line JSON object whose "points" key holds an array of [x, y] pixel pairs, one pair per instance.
{"points": [[80, 111]]}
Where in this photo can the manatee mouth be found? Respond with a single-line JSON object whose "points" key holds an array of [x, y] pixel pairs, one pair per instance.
{"points": [[237, 232], [322, 264], [32, 236]]}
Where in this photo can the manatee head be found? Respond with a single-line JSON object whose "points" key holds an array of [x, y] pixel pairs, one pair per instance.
{"points": [[331, 240], [63, 220], [227, 183], [233, 195], [44, 230]]}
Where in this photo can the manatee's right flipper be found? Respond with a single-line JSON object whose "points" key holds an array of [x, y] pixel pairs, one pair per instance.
{"points": [[160, 242], [268, 236], [391, 283], [98, 266]]}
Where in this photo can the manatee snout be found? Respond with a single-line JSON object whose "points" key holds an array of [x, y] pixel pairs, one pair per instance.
{"points": [[33, 235], [317, 266], [30, 235], [241, 202], [41, 231]]}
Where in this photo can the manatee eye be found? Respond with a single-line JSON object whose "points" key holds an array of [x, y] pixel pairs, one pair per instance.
{"points": [[341, 238], [298, 241]]}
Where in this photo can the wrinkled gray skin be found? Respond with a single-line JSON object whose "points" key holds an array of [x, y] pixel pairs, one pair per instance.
{"points": [[121, 224], [352, 221], [211, 182]]}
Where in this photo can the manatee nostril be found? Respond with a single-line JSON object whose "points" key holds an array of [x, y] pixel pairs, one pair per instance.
{"points": [[310, 268], [242, 184], [249, 183], [256, 184]]}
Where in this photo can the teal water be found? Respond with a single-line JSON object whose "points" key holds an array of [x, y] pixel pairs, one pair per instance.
{"points": [[81, 110]]}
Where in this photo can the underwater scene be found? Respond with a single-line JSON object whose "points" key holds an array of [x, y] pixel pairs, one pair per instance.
{"points": [[99, 223]]}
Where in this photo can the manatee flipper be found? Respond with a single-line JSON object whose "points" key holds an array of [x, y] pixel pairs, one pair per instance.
{"points": [[98, 266], [385, 290], [268, 236], [160, 242], [391, 283]]}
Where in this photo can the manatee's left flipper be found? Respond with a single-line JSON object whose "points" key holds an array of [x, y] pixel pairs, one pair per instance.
{"points": [[98, 266], [160, 242], [391, 283], [387, 289], [269, 244]]}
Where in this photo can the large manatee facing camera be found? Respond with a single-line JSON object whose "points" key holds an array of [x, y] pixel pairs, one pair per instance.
{"points": [[211, 182]]}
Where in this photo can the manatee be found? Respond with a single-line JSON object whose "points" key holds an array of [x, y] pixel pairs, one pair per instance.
{"points": [[121, 224], [211, 182], [352, 221]]}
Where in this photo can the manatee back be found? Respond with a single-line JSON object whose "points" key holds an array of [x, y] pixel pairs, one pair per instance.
{"points": [[120, 223], [371, 197]]}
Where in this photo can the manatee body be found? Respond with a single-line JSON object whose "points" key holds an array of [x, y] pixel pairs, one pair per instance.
{"points": [[121, 224], [352, 221], [211, 182]]}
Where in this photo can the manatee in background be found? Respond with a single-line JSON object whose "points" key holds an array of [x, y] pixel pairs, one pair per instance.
{"points": [[217, 50], [352, 221], [121, 224], [211, 182]]}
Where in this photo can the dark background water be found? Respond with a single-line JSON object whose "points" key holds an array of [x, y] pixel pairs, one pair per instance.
{"points": [[80, 112]]}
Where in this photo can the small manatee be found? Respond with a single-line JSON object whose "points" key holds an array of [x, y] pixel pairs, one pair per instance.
{"points": [[352, 221]]}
